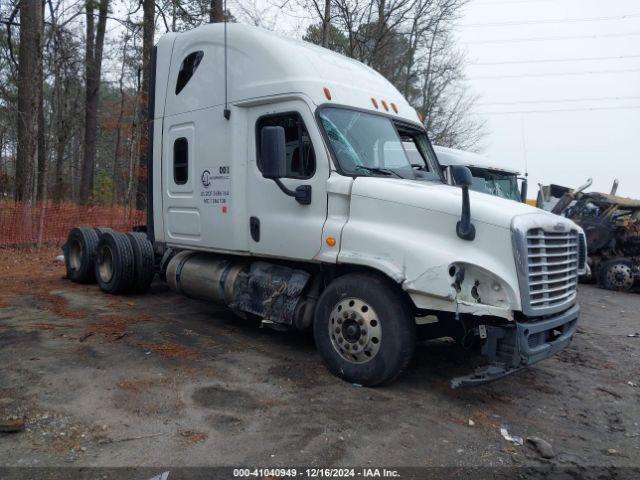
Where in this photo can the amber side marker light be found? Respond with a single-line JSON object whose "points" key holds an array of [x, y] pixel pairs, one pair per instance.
{"points": [[375, 102], [327, 93], [384, 104], [331, 241], [395, 108]]}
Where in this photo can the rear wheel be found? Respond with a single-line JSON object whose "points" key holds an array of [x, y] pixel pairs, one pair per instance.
{"points": [[101, 230], [616, 274], [115, 263], [79, 254], [364, 329], [143, 256]]}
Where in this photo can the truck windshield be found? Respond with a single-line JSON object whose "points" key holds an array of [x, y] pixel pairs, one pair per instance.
{"points": [[500, 184], [373, 145]]}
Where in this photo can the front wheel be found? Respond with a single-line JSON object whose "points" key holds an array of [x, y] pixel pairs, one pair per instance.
{"points": [[616, 274], [364, 329]]}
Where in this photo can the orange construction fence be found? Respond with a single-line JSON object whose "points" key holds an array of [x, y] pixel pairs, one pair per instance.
{"points": [[46, 222]]}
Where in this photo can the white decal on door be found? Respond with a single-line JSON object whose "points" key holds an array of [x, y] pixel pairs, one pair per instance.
{"points": [[216, 188]]}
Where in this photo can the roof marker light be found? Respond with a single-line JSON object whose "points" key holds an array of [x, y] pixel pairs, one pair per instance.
{"points": [[375, 102], [384, 104], [394, 106], [327, 93]]}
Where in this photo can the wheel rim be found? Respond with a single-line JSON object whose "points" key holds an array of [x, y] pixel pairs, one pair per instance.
{"points": [[354, 329], [75, 255], [620, 276], [105, 264]]}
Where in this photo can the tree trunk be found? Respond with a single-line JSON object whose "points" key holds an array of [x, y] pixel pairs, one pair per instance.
{"points": [[118, 148], [60, 133], [326, 23], [42, 153], [148, 30], [29, 97], [216, 12], [93, 59], [75, 174]]}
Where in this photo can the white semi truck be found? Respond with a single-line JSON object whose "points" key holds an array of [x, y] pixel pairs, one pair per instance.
{"points": [[487, 177], [281, 187]]}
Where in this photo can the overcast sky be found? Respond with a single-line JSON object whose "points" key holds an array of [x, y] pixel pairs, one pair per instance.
{"points": [[559, 85]]}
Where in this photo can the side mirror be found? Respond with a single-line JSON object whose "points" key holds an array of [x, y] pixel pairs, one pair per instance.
{"points": [[273, 160], [462, 177], [523, 191], [273, 152]]}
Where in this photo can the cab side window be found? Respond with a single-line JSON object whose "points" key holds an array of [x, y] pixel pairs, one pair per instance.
{"points": [[187, 68], [301, 159], [180, 161]]}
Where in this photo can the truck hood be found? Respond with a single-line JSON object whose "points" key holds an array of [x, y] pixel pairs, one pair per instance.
{"points": [[442, 198]]}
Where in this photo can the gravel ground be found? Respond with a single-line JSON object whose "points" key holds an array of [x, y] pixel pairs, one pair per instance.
{"points": [[159, 379]]}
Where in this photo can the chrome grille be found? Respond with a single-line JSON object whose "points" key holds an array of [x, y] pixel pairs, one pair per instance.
{"points": [[582, 254], [552, 262]]}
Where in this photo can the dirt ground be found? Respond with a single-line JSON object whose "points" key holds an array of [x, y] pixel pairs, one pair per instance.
{"points": [[159, 379]]}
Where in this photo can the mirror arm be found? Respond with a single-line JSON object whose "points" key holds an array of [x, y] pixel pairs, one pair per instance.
{"points": [[302, 194], [464, 227]]}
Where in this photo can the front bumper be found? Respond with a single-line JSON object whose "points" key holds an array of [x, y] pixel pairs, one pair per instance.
{"points": [[515, 346]]}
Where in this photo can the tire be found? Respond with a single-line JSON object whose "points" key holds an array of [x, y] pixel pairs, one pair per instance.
{"points": [[367, 312], [80, 254], [115, 263], [101, 230], [616, 274], [143, 260]]}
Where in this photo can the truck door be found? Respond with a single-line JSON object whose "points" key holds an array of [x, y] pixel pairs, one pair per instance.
{"points": [[278, 224], [181, 212]]}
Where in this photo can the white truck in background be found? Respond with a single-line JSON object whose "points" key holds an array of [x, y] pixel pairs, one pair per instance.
{"points": [[487, 177], [289, 196]]}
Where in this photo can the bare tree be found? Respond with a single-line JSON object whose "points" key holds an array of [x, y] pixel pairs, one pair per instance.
{"points": [[148, 30], [93, 70], [29, 98], [410, 43], [216, 11]]}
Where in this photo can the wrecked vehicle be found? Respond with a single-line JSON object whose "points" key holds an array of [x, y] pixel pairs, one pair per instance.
{"points": [[557, 198], [487, 178], [612, 227], [293, 201]]}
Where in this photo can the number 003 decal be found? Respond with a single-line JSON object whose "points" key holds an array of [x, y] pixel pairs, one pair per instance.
{"points": [[216, 188]]}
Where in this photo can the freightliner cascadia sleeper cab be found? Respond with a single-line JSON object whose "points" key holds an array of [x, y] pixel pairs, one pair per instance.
{"points": [[281, 187]]}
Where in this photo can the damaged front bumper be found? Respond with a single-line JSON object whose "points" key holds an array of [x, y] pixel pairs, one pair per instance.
{"points": [[515, 346]]}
